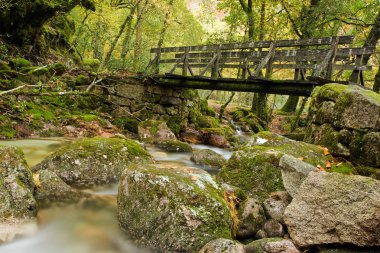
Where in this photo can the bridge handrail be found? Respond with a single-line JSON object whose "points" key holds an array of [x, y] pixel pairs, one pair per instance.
{"points": [[254, 57], [343, 40]]}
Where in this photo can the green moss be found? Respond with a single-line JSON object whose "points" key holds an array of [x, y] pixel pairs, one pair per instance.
{"points": [[89, 117], [19, 63], [128, 124], [91, 64], [174, 123], [205, 109], [258, 245], [239, 113], [4, 66], [57, 69], [329, 92], [83, 80], [206, 122], [255, 167]]}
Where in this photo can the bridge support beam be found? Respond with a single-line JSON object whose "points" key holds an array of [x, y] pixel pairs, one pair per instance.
{"points": [[283, 87]]}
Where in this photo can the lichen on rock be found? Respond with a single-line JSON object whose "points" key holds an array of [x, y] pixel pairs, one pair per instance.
{"points": [[94, 161], [171, 209]]}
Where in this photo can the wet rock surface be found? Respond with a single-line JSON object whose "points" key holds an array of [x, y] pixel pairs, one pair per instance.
{"points": [[208, 157], [93, 161], [171, 209]]}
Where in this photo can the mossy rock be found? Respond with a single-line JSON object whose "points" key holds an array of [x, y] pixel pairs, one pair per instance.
{"points": [[208, 157], [239, 113], [52, 191], [205, 109], [91, 64], [19, 63], [83, 80], [154, 130], [203, 121], [93, 161], [16, 186], [57, 69], [128, 124], [258, 245], [7, 130], [171, 209], [255, 166], [174, 146], [4, 66]]}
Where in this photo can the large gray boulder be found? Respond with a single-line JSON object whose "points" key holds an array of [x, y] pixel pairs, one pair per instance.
{"points": [[93, 161], [294, 172], [346, 120], [171, 209], [332, 208], [16, 186]]}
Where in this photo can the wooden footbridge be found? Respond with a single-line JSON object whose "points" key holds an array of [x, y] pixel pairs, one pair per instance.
{"points": [[314, 61]]}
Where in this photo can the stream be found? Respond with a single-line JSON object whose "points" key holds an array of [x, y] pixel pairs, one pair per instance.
{"points": [[89, 228]]}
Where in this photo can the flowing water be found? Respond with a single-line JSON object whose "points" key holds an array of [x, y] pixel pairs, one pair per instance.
{"points": [[89, 227]]}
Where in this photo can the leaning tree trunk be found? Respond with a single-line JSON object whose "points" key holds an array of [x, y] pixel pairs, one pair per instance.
{"points": [[305, 30], [116, 39]]}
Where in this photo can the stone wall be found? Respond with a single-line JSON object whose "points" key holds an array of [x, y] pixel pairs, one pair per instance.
{"points": [[346, 120], [130, 97]]}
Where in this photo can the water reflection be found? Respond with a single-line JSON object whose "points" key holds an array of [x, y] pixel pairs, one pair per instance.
{"points": [[36, 150]]}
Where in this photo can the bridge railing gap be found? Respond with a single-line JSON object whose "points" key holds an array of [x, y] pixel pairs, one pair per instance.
{"points": [[313, 59]]}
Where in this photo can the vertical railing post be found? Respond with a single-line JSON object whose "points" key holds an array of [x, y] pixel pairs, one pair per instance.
{"points": [[157, 62], [355, 77], [330, 66], [215, 68], [185, 66]]}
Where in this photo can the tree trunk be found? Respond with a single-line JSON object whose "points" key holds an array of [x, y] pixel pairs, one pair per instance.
{"points": [[116, 39], [305, 30], [291, 104], [223, 107]]}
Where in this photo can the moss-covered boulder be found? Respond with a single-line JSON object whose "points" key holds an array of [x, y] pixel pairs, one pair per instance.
{"points": [[255, 166], [346, 119], [208, 157], [171, 210], [51, 190], [16, 186], [155, 130], [19, 63], [93, 161], [174, 146]]}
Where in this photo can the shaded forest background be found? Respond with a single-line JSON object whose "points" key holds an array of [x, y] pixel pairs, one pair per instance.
{"points": [[118, 34]]}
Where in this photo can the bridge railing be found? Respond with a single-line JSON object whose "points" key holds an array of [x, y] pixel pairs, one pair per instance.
{"points": [[319, 57]]}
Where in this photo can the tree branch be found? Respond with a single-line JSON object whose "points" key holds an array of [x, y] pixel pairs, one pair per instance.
{"points": [[294, 25]]}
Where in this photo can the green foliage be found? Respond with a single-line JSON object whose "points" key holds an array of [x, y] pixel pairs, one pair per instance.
{"points": [[19, 63], [174, 123], [91, 64], [128, 124]]}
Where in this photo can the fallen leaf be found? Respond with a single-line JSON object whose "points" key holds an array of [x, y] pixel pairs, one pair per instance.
{"points": [[339, 164], [328, 165], [300, 158], [326, 151]]}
